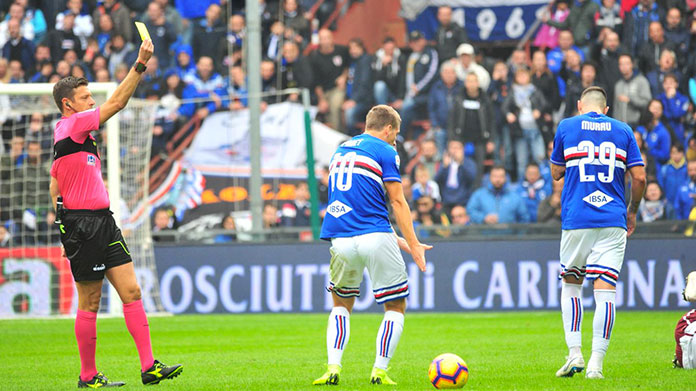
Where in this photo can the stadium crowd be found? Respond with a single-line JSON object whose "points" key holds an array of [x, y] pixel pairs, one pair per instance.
{"points": [[476, 130]]}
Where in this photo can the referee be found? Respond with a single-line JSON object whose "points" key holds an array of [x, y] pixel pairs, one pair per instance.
{"points": [[91, 240]]}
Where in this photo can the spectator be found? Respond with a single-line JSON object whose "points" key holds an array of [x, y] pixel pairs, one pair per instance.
{"points": [[32, 178], [42, 54], [610, 16], [239, 91], [523, 108], [407, 184], [691, 151], [270, 216], [556, 57], [676, 107], [63, 69], [33, 17], [430, 157], [83, 27], [171, 15], [272, 44], [657, 137], [5, 236], [102, 76], [162, 33], [295, 71], [228, 225], [269, 84], [456, 176], [651, 50], [104, 32], [358, 86], [570, 73], [120, 14], [459, 216], [17, 47], [606, 56], [545, 166], [686, 198], [533, 189], [330, 70], [297, 213], [236, 32], [16, 72], [164, 221], [118, 52], [60, 41], [467, 64], [497, 202], [588, 74], [185, 67], [547, 37], [654, 206], [294, 18], [674, 173], [668, 65], [471, 120], [191, 10], [152, 80], [206, 84], [26, 27], [208, 33], [43, 75], [518, 59], [421, 69], [545, 81], [388, 71], [580, 21], [637, 22], [424, 185], [449, 35], [498, 92], [441, 100], [428, 217], [549, 209], [631, 93], [678, 34]]}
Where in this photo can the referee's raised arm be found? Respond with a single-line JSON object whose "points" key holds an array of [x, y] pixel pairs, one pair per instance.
{"points": [[125, 90]]}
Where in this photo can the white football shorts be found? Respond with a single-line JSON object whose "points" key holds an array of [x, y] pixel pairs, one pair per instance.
{"points": [[380, 254], [593, 253]]}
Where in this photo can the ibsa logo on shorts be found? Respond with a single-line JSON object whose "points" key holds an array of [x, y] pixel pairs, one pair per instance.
{"points": [[338, 209], [91, 160], [597, 199]]}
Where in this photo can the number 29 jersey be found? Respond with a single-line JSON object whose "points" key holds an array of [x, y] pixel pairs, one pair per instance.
{"points": [[596, 151], [357, 196]]}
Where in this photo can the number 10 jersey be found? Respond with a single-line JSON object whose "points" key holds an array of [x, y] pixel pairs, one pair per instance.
{"points": [[357, 196], [596, 151]]}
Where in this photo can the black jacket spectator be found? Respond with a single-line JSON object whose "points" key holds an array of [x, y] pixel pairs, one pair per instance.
{"points": [[20, 49], [471, 118], [326, 68], [359, 86], [649, 52], [390, 69], [163, 34], [449, 35], [60, 41], [295, 70], [208, 33]]}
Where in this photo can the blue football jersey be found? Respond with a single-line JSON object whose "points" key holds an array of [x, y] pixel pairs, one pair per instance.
{"points": [[357, 196], [596, 151]]}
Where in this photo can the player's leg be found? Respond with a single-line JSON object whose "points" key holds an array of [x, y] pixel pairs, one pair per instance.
{"points": [[345, 275], [123, 279], [88, 298], [388, 338], [390, 286], [603, 267], [689, 292], [574, 252]]}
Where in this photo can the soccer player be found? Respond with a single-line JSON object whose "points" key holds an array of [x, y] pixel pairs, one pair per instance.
{"points": [[594, 152], [91, 240], [363, 172]]}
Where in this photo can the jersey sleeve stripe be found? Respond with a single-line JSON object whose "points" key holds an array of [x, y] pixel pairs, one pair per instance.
{"points": [[557, 163], [638, 163]]}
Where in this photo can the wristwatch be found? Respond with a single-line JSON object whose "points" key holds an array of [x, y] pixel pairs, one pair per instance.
{"points": [[139, 67]]}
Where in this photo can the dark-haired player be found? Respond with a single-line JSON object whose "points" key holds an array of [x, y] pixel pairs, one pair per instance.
{"points": [[594, 152], [92, 241]]}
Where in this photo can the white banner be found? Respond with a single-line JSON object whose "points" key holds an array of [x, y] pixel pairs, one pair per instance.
{"points": [[222, 144]]}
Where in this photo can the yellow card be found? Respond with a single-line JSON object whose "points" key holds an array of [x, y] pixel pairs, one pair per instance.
{"points": [[144, 34]]}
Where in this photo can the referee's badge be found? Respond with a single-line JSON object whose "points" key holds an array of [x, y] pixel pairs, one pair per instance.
{"points": [[91, 160]]}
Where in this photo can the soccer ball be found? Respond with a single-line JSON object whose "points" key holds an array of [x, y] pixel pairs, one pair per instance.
{"points": [[448, 371]]}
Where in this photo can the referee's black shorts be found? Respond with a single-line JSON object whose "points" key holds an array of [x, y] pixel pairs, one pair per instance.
{"points": [[93, 243]]}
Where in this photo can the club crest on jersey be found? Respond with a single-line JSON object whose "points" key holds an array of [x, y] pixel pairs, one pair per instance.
{"points": [[91, 160], [338, 209], [597, 199]]}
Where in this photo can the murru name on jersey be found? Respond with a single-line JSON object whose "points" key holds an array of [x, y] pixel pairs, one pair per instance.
{"points": [[597, 126]]}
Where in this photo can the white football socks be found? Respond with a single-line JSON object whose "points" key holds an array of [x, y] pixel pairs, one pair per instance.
{"points": [[388, 337], [602, 326], [337, 334], [571, 311]]}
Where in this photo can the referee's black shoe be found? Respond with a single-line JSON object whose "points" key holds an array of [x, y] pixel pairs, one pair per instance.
{"points": [[159, 371], [99, 381]]}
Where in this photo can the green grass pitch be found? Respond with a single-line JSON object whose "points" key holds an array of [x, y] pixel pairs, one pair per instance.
{"points": [[504, 351]]}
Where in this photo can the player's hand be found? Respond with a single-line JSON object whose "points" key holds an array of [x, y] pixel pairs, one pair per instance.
{"points": [[630, 223], [418, 254], [146, 50], [62, 252]]}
